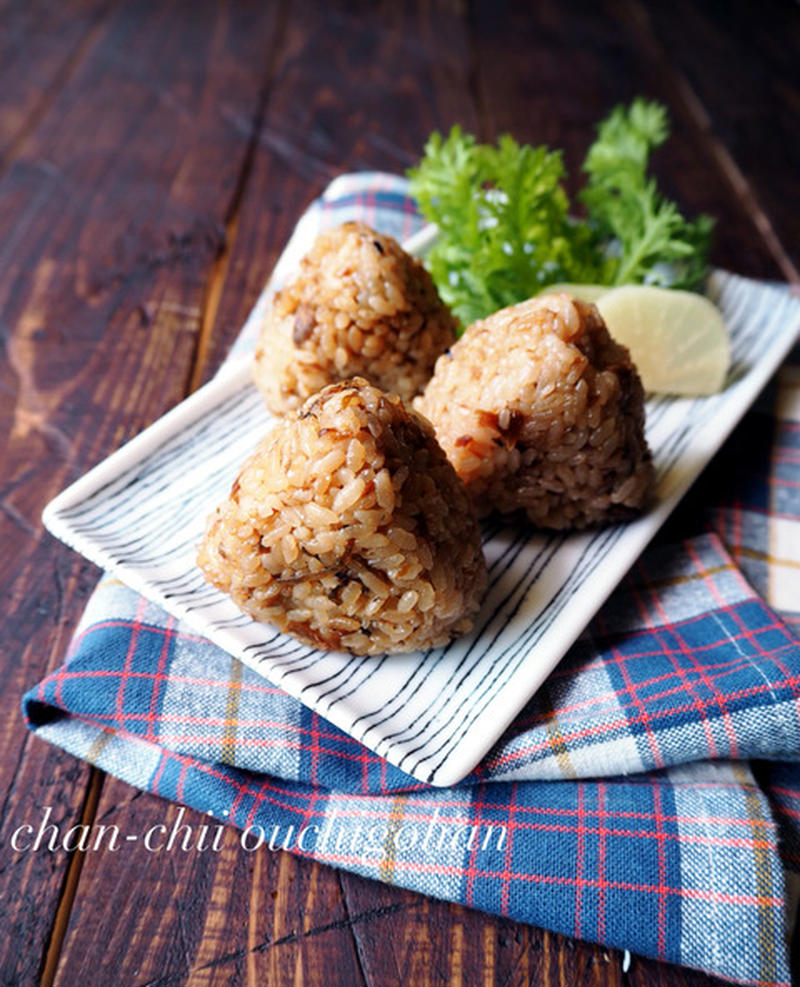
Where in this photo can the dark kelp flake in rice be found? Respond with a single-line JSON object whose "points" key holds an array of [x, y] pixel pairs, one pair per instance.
{"points": [[540, 410], [360, 306], [349, 529]]}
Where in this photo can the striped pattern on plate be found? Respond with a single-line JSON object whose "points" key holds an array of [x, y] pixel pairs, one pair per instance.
{"points": [[142, 512]]}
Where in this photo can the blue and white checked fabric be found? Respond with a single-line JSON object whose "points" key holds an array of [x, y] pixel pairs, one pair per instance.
{"points": [[646, 798]]}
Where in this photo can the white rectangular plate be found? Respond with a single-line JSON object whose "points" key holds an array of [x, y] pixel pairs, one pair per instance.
{"points": [[435, 714]]}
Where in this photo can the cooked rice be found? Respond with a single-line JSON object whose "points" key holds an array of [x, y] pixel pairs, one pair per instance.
{"points": [[539, 409], [360, 306], [349, 529]]}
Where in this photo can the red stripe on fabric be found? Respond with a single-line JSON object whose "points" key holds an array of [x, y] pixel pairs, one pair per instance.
{"points": [[120, 700], [181, 781], [626, 657], [679, 670], [601, 866], [159, 678], [257, 743], [261, 796], [731, 667], [579, 858], [159, 771], [313, 748], [712, 588], [783, 790], [662, 875], [241, 791], [410, 215], [59, 684], [505, 885], [127, 622], [644, 717], [725, 668], [308, 814], [733, 842], [476, 821], [364, 757]]}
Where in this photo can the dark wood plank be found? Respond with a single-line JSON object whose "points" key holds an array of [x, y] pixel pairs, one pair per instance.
{"points": [[197, 223], [36, 625], [41, 44], [113, 205], [436, 943], [201, 917], [739, 70], [550, 73]]}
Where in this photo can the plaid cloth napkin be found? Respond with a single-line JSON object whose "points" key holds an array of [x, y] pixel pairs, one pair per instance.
{"points": [[646, 798]]}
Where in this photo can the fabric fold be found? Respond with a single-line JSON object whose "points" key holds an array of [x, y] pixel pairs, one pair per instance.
{"points": [[684, 663]]}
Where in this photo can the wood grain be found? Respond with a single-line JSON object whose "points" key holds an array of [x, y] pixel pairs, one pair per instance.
{"points": [[585, 65], [156, 157], [110, 241], [41, 44], [212, 918], [742, 84]]}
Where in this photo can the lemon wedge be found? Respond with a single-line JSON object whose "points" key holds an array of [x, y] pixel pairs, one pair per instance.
{"points": [[583, 292], [677, 339]]}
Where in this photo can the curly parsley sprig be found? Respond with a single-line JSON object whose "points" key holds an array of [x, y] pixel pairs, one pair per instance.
{"points": [[656, 245], [507, 230]]}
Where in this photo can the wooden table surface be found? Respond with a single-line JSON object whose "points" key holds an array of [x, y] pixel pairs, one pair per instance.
{"points": [[154, 157]]}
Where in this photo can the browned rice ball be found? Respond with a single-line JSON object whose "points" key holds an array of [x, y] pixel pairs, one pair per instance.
{"points": [[360, 306], [539, 409], [349, 529]]}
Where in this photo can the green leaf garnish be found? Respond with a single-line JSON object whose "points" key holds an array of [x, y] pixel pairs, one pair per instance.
{"points": [[656, 245], [507, 230]]}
